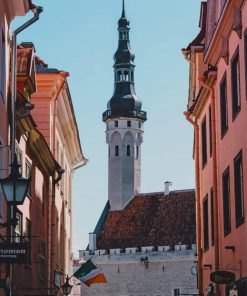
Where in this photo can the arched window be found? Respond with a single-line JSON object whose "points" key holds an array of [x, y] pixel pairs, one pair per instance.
{"points": [[128, 150], [116, 150], [119, 75], [132, 76], [137, 152], [120, 35], [126, 75]]}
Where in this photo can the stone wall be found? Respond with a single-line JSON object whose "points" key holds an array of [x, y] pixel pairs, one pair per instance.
{"points": [[146, 273]]}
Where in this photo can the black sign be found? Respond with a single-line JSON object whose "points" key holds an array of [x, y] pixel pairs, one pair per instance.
{"points": [[222, 277], [13, 253]]}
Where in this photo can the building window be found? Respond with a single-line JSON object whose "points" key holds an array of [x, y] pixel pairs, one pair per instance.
{"points": [[137, 152], [139, 125], [210, 131], [3, 67], [116, 123], [236, 101], [204, 141], [29, 241], [28, 169], [18, 228], [176, 292], [212, 215], [128, 150], [41, 253], [223, 106], [245, 62], [205, 223], [226, 201], [19, 158], [116, 150], [239, 190], [128, 123]]}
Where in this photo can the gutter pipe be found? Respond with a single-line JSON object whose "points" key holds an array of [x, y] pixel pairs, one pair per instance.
{"points": [[37, 10], [215, 176], [198, 201]]}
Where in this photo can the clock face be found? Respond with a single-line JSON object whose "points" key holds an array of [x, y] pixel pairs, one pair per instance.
{"points": [[194, 270]]}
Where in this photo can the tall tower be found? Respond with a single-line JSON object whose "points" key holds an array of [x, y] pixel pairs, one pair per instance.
{"points": [[124, 125]]}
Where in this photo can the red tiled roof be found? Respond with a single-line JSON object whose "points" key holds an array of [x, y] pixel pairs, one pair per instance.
{"points": [[151, 220]]}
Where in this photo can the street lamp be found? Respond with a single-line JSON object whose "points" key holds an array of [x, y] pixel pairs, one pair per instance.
{"points": [[66, 287], [15, 186]]}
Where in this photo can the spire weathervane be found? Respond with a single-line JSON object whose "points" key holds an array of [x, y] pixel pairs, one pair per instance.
{"points": [[123, 12]]}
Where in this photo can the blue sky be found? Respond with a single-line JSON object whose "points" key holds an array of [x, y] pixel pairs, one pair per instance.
{"points": [[80, 37]]}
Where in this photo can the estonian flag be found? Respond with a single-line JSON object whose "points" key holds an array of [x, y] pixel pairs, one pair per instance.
{"points": [[90, 274]]}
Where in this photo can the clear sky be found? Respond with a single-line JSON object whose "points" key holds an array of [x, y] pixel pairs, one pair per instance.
{"points": [[80, 36]]}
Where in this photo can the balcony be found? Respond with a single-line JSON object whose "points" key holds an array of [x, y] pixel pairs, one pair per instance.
{"points": [[108, 114]]}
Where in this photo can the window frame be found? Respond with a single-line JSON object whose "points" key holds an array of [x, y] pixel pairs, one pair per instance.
{"points": [[212, 215], [223, 103], [226, 206], [128, 123], [116, 150], [29, 166], [128, 153], [235, 111], [204, 142], [205, 224], [239, 220]]}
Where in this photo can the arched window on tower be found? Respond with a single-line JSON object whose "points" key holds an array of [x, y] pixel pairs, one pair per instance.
{"points": [[132, 76], [124, 35], [128, 150], [137, 152], [119, 73], [126, 75], [120, 35], [116, 150]]}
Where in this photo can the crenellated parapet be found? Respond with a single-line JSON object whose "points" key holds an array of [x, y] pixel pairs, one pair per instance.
{"points": [[158, 250]]}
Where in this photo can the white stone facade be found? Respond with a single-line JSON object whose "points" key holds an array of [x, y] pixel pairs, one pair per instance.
{"points": [[124, 138], [145, 273]]}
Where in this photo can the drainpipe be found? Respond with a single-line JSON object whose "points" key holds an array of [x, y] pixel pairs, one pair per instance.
{"points": [[198, 202], [215, 176], [37, 10]]}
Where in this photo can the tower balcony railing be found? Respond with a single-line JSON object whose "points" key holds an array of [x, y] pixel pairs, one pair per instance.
{"points": [[108, 114]]}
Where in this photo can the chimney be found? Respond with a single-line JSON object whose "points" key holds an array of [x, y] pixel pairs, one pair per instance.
{"points": [[92, 242], [167, 188]]}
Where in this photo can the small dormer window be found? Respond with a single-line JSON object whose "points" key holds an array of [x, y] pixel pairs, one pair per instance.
{"points": [[128, 123]]}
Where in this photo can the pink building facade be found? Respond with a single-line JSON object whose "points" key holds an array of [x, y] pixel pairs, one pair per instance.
{"points": [[217, 109], [49, 151]]}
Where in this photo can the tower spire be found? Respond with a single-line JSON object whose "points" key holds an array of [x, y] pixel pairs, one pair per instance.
{"points": [[123, 11]]}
